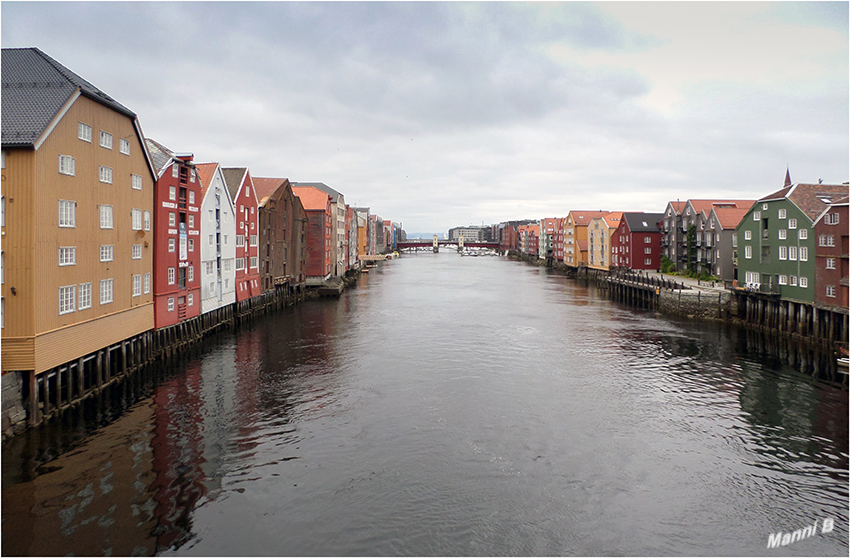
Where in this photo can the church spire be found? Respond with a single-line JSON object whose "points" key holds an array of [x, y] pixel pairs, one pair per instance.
{"points": [[787, 177]]}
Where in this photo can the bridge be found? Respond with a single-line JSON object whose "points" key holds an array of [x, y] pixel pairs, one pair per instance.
{"points": [[427, 243]]}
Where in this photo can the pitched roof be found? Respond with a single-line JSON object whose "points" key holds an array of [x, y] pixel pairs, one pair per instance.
{"points": [[35, 88], [313, 199], [265, 187], [643, 222], [233, 178], [810, 198], [321, 186], [206, 171], [730, 217], [613, 219], [705, 206], [160, 155], [584, 217]]}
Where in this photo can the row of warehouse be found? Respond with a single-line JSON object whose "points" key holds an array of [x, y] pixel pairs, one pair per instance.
{"points": [[111, 234]]}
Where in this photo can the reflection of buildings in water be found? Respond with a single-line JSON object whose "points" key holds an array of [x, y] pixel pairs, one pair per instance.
{"points": [[95, 500], [177, 456]]}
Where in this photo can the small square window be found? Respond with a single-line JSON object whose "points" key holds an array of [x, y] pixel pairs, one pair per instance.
{"points": [[107, 252]]}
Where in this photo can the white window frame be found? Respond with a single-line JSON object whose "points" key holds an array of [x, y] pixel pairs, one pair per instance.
{"points": [[830, 291], [803, 234], [146, 281], [172, 244], [792, 253], [105, 140], [105, 174], [191, 244], [106, 221], [783, 280], [748, 252], [67, 299], [107, 252], [190, 299], [240, 240], [124, 146], [783, 252], [240, 264], [172, 219], [804, 254], [85, 296], [792, 224], [192, 193], [67, 255], [136, 252], [804, 282], [781, 213], [67, 213], [106, 291], [748, 235], [783, 234], [136, 181], [190, 274], [137, 285], [84, 132], [756, 215], [171, 304], [172, 193], [171, 276], [136, 219], [67, 165], [254, 262], [830, 263], [147, 220]]}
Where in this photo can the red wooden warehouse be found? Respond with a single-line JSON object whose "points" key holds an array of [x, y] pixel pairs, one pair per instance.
{"points": [[245, 202], [176, 228]]}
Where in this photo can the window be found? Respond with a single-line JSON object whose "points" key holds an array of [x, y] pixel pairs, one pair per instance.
{"points": [[192, 195], [831, 219], [147, 220], [136, 181], [172, 219], [191, 244], [212, 240], [105, 139], [783, 279], [147, 283], [67, 213], [804, 282], [137, 285], [240, 240], [67, 165], [748, 235], [792, 253], [171, 304], [647, 261], [85, 296], [171, 244], [782, 214], [756, 215], [124, 146], [175, 170], [105, 216], [171, 276], [803, 234], [107, 251], [136, 215], [830, 291], [172, 193], [67, 299], [830, 263], [748, 252], [84, 132], [254, 261], [227, 265], [804, 254], [105, 291], [792, 280], [254, 240], [67, 255], [137, 252], [190, 299], [783, 234], [792, 223], [190, 275], [2, 211], [647, 250], [783, 252], [192, 176], [212, 289], [211, 214], [826, 240], [240, 264], [191, 221], [106, 174]]}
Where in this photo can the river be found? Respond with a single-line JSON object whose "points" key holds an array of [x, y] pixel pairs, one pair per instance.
{"points": [[445, 405]]}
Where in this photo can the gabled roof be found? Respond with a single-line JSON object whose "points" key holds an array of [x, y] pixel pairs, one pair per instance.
{"points": [[810, 198], [35, 89], [705, 206], [729, 217], [613, 219], [837, 203], [321, 186], [265, 187], [313, 199], [677, 206], [160, 155], [206, 171], [233, 178], [643, 222], [584, 217]]}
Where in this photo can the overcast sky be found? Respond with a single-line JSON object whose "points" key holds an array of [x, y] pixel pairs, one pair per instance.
{"points": [[446, 114]]}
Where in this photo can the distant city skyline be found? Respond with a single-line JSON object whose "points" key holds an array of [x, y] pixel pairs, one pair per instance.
{"points": [[439, 114]]}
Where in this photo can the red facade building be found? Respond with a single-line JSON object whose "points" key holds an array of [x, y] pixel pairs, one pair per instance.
{"points": [[636, 244], [317, 205], [831, 256], [176, 228], [245, 202]]}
